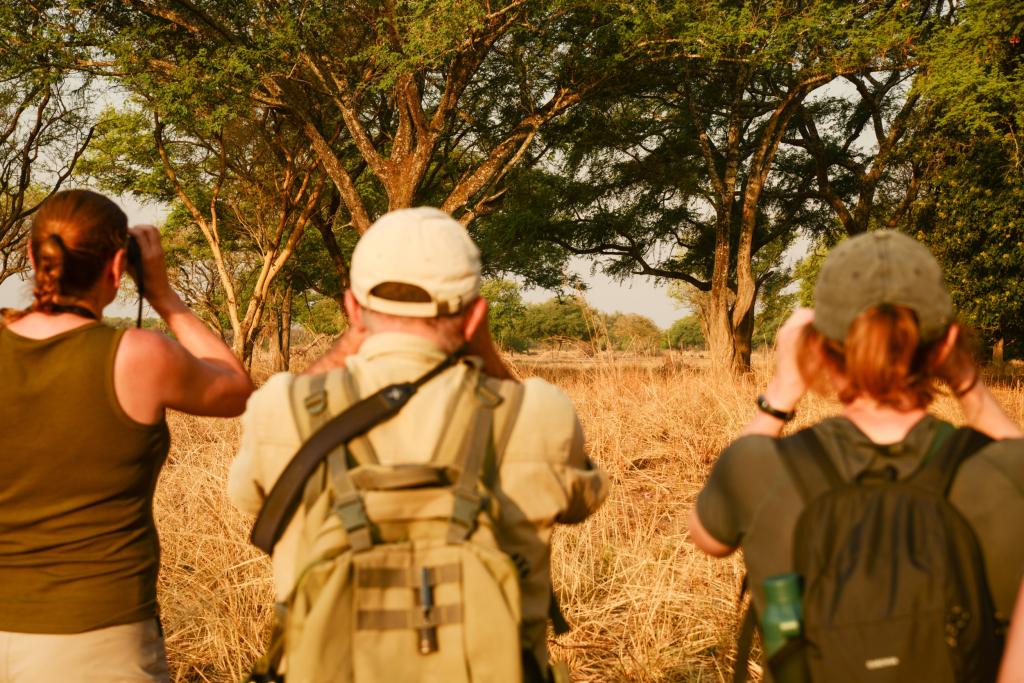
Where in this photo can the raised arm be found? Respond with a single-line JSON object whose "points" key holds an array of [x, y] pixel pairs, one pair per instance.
{"points": [[980, 408], [196, 373], [787, 385]]}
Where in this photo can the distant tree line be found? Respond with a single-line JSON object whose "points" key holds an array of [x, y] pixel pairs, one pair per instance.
{"points": [[569, 322], [565, 322], [694, 142]]}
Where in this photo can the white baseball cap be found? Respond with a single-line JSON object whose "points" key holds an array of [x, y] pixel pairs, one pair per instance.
{"points": [[422, 247]]}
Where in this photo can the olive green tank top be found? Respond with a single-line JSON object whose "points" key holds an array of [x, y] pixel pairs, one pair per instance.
{"points": [[78, 547]]}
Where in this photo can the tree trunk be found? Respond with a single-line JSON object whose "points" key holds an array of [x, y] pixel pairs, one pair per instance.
{"points": [[283, 337], [238, 347], [720, 331], [998, 352], [743, 341]]}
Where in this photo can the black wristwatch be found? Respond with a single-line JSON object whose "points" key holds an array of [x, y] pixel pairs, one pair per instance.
{"points": [[767, 409]]}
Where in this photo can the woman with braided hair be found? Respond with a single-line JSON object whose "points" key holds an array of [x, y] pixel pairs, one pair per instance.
{"points": [[82, 440]]}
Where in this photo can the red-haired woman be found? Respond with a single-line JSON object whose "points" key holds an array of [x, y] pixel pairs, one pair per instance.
{"points": [[882, 337], [82, 441]]}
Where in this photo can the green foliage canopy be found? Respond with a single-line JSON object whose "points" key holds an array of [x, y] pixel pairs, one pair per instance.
{"points": [[685, 333]]}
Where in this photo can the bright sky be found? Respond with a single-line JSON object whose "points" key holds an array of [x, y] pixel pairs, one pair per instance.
{"points": [[636, 295]]}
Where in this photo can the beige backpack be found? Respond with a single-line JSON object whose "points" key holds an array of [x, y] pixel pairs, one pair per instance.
{"points": [[400, 577]]}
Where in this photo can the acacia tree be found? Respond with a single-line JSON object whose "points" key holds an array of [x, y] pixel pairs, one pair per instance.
{"points": [[971, 194], [243, 197], [44, 126], [857, 140], [677, 174], [854, 150], [402, 102]]}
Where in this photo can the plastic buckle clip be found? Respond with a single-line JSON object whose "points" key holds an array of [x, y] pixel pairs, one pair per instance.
{"points": [[352, 513], [463, 518], [316, 403]]}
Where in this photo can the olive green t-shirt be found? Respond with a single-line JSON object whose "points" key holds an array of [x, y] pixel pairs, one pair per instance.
{"points": [[78, 547], [750, 500]]}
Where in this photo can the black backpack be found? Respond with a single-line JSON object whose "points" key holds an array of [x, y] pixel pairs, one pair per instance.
{"points": [[894, 586]]}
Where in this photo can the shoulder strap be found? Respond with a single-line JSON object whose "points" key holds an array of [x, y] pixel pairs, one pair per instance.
{"points": [[358, 419], [505, 419], [309, 410], [504, 422], [745, 638], [809, 464], [939, 470], [348, 503], [360, 447], [479, 414], [458, 418]]}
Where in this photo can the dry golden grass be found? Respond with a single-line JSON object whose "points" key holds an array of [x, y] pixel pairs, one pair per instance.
{"points": [[645, 605]]}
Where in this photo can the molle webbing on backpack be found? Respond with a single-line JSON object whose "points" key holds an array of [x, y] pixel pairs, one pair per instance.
{"points": [[418, 553], [400, 577], [400, 619], [358, 419]]}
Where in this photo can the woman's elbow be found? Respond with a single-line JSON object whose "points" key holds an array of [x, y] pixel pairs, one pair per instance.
{"points": [[226, 396], [701, 538], [237, 394]]}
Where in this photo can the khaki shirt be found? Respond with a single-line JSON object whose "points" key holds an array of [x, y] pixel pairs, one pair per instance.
{"points": [[544, 476]]}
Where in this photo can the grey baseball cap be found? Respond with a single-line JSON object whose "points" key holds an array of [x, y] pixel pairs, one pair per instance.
{"points": [[881, 267]]}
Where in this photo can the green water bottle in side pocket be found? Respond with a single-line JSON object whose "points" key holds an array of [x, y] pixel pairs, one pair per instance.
{"points": [[782, 626]]}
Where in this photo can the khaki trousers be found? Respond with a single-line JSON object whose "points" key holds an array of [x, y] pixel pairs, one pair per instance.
{"points": [[129, 653]]}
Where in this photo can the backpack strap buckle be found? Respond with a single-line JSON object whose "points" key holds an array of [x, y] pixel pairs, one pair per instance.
{"points": [[316, 402], [463, 517], [488, 397], [350, 510]]}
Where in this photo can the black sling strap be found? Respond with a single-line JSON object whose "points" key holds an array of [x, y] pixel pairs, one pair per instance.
{"points": [[745, 639], [361, 417]]}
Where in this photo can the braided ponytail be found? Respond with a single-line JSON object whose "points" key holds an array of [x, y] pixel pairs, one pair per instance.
{"points": [[49, 258]]}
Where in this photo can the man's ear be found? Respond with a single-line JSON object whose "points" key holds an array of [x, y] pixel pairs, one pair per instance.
{"points": [[31, 256], [475, 316], [354, 311]]}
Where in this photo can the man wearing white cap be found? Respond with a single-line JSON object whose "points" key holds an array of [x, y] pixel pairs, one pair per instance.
{"points": [[415, 300]]}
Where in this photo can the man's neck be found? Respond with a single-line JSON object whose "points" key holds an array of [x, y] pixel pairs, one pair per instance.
{"points": [[415, 330], [350, 343]]}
